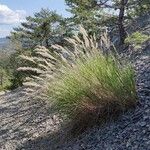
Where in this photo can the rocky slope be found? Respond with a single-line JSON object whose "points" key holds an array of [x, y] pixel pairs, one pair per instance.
{"points": [[132, 130], [23, 119], [27, 124]]}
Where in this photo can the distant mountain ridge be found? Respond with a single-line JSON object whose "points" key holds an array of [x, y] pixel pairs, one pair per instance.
{"points": [[4, 42]]}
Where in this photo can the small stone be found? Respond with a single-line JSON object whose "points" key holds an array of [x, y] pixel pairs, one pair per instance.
{"points": [[148, 142], [143, 124], [144, 131], [128, 144], [144, 139], [147, 111], [2, 92], [146, 117]]}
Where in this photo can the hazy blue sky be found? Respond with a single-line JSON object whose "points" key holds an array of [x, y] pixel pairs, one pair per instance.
{"points": [[12, 12]]}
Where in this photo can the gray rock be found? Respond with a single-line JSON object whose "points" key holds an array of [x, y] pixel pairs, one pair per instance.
{"points": [[142, 124]]}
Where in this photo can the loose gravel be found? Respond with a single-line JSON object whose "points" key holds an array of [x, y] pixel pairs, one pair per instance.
{"points": [[23, 119], [27, 124]]}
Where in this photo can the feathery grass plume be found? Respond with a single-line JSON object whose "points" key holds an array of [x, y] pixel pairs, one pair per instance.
{"points": [[27, 58], [47, 66], [30, 69], [96, 87], [33, 82]]}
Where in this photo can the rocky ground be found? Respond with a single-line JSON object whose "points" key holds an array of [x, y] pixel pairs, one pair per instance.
{"points": [[23, 119], [27, 124]]}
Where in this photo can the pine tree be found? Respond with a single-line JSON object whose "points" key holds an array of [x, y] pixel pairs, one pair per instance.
{"points": [[123, 10], [39, 30]]}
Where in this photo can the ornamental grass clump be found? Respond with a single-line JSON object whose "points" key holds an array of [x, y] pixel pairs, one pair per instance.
{"points": [[85, 82], [95, 87]]}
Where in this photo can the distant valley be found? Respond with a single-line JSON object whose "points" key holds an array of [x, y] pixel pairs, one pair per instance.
{"points": [[4, 42], [5, 46]]}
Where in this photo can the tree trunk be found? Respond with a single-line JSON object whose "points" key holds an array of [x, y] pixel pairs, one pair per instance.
{"points": [[46, 42], [122, 32]]}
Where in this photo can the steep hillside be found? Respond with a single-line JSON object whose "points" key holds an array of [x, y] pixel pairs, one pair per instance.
{"points": [[27, 123]]}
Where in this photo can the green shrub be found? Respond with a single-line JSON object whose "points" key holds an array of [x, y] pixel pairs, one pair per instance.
{"points": [[137, 39], [4, 79]]}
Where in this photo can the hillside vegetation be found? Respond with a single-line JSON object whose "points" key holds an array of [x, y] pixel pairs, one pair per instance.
{"points": [[83, 69], [85, 83]]}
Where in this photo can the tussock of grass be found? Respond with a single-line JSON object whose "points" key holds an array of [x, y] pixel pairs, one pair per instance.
{"points": [[95, 88], [99, 86], [85, 85]]}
